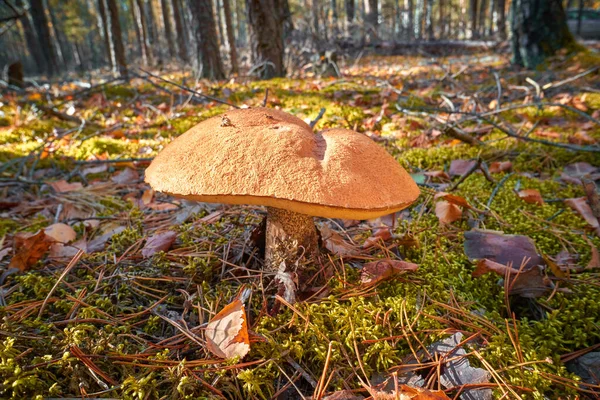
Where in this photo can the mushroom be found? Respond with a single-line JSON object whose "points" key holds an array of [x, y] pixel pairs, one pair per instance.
{"points": [[267, 157]]}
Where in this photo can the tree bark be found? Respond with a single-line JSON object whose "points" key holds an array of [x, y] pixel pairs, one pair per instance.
{"points": [[206, 38], [230, 37], [115, 27], [63, 50], [410, 28], [429, 19], [38, 14], [219, 20], [147, 55], [481, 22], [473, 8], [372, 14], [166, 14], [106, 33], [181, 42], [539, 29], [315, 16], [501, 25], [32, 41], [349, 11], [441, 22], [266, 36]]}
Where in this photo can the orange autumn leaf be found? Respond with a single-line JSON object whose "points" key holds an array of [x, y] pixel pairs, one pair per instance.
{"points": [[531, 196], [447, 212], [29, 249], [227, 332], [500, 166]]}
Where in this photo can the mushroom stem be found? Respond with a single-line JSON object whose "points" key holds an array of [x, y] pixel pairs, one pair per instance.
{"points": [[290, 236]]}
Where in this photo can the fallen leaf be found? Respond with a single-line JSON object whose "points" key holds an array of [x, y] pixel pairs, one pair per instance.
{"points": [[128, 175], [227, 332], [98, 243], [379, 235], [147, 197], [158, 242], [453, 198], [573, 173], [29, 249], [501, 248], [336, 244], [531, 196], [61, 233], [529, 283], [595, 258], [63, 186], [500, 166], [4, 253], [162, 206], [581, 206], [461, 167], [493, 104], [377, 271], [59, 250], [98, 169], [437, 174], [447, 212]]}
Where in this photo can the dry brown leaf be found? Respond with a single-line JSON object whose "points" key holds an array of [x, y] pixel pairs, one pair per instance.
{"points": [[227, 332], [97, 169], [437, 174], [98, 243], [63, 186], [501, 248], [500, 166], [531, 196], [461, 167], [147, 197], [452, 198], [595, 259], [336, 244], [447, 212], [581, 206], [62, 233], [377, 271], [379, 235], [29, 249], [59, 250], [128, 175], [158, 242], [162, 206], [529, 283]]}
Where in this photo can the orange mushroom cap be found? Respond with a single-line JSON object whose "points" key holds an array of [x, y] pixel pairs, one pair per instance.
{"points": [[267, 157]]}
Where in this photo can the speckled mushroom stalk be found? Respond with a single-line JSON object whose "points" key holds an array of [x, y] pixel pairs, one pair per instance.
{"points": [[290, 237]]}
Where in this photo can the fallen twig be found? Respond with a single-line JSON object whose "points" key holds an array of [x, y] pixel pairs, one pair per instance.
{"points": [[314, 121]]}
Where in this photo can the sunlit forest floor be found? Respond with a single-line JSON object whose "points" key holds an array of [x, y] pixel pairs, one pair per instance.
{"points": [[108, 315]]}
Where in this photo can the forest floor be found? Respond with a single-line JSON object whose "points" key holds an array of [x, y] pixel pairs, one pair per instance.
{"points": [[504, 300]]}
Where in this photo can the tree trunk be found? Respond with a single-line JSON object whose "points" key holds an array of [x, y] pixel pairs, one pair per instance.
{"points": [[286, 18], [117, 38], [32, 41], [420, 9], [221, 36], [493, 18], [63, 50], [372, 14], [166, 14], [481, 22], [143, 27], [474, 15], [38, 15], [315, 17], [334, 16], [206, 38], [539, 29], [409, 18], [428, 19], [349, 11], [501, 24], [181, 43], [106, 33], [266, 36], [441, 22], [230, 37], [137, 30]]}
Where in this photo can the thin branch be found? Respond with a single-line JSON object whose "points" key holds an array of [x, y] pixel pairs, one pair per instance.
{"points": [[216, 99], [314, 121]]}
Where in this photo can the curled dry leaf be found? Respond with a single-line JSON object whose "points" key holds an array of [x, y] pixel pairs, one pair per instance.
{"points": [[128, 175], [377, 271], [379, 235], [447, 212], [531, 196], [437, 174], [461, 167], [227, 333], [62, 233], [530, 282], [29, 249], [336, 244], [581, 206], [500, 166], [501, 248], [452, 198], [158, 242], [573, 173], [63, 186]]}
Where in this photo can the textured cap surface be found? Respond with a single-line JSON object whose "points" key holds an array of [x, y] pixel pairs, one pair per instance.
{"points": [[267, 157]]}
